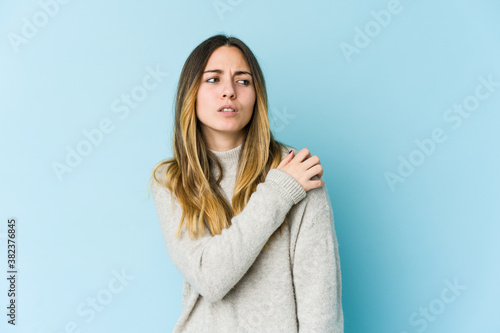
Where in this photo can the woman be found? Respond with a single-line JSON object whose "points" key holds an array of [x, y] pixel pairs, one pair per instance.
{"points": [[249, 226]]}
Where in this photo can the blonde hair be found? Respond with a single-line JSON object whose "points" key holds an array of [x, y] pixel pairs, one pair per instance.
{"points": [[188, 176]]}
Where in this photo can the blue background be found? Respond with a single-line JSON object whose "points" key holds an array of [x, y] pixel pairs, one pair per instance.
{"points": [[359, 111]]}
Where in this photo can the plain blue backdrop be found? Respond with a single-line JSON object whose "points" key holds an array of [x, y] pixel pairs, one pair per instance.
{"points": [[399, 99]]}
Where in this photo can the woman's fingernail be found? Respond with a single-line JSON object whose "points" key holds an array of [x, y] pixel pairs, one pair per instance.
{"points": [[290, 151]]}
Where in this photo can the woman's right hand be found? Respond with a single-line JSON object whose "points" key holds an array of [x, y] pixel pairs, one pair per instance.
{"points": [[302, 167]]}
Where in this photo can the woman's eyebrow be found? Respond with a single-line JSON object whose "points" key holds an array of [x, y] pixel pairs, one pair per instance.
{"points": [[218, 71]]}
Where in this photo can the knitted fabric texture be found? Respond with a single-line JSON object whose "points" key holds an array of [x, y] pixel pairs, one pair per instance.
{"points": [[232, 284]]}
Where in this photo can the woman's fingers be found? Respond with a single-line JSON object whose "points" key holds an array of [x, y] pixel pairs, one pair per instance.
{"points": [[302, 155], [302, 167], [311, 161], [286, 160], [316, 170]]}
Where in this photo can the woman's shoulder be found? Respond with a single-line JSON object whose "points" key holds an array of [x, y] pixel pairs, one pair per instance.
{"points": [[159, 173], [318, 197], [160, 169]]}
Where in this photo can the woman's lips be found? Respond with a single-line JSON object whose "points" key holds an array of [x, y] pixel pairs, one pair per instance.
{"points": [[227, 106], [228, 113]]}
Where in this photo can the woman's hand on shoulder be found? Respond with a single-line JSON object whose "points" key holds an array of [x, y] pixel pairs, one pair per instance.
{"points": [[302, 167]]}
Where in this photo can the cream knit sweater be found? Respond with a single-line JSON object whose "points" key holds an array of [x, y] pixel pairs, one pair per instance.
{"points": [[232, 284]]}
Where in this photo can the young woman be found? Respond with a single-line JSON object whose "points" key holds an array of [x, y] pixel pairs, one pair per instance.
{"points": [[246, 219]]}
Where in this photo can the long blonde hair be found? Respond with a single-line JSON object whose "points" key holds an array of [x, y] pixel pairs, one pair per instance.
{"points": [[188, 175]]}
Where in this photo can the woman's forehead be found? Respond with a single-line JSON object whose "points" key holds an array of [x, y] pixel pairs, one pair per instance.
{"points": [[227, 57]]}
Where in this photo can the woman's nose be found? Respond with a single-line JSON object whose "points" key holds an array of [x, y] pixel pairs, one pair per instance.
{"points": [[228, 91]]}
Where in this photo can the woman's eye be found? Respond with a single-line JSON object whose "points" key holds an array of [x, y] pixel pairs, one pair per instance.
{"points": [[244, 82], [215, 79]]}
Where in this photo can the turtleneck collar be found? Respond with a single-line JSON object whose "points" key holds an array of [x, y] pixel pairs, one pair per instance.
{"points": [[228, 158]]}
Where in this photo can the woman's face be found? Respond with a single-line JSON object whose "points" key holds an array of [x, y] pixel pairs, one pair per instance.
{"points": [[226, 84]]}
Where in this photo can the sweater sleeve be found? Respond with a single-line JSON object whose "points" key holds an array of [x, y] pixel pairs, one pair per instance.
{"points": [[212, 265], [316, 275]]}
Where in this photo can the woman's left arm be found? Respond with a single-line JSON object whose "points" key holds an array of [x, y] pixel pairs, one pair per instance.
{"points": [[316, 275]]}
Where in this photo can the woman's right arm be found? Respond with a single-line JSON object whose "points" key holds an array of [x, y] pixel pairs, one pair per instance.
{"points": [[213, 265]]}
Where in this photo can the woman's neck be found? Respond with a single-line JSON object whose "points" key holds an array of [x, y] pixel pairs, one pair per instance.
{"points": [[229, 158]]}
